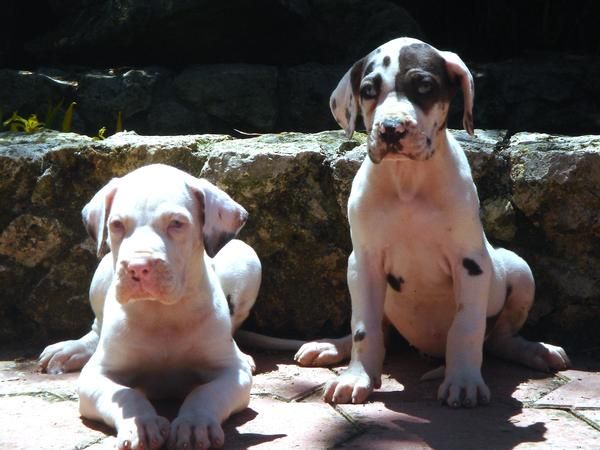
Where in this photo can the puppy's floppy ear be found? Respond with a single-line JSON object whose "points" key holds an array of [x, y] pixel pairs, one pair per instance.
{"points": [[458, 70], [222, 217], [96, 212], [344, 98]]}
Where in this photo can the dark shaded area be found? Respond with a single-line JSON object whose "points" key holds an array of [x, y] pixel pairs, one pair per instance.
{"points": [[198, 66], [492, 30], [129, 32]]}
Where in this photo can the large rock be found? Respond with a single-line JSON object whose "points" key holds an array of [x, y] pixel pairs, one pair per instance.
{"points": [[231, 94], [555, 188], [545, 94], [536, 191], [33, 92]]}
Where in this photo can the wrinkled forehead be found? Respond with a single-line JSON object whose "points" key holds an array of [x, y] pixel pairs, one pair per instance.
{"points": [[396, 58], [150, 196]]}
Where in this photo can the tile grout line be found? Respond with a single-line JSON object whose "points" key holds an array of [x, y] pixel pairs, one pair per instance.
{"points": [[46, 395], [91, 443], [307, 393], [575, 412], [359, 429]]}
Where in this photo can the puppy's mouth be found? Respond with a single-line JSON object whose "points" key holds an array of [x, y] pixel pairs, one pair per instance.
{"points": [[157, 286], [411, 147]]}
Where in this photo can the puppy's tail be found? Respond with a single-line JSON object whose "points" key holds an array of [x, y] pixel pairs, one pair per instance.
{"points": [[260, 341]]}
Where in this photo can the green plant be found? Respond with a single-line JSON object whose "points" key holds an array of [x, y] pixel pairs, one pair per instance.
{"points": [[32, 124], [68, 118], [100, 136], [51, 113], [18, 123], [119, 126]]}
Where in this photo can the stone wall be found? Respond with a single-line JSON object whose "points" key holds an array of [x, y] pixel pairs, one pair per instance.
{"points": [[539, 196], [543, 94]]}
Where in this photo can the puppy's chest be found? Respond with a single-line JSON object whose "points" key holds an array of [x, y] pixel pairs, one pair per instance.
{"points": [[153, 346], [416, 240]]}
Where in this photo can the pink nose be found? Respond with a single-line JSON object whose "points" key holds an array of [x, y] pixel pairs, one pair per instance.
{"points": [[140, 268]]}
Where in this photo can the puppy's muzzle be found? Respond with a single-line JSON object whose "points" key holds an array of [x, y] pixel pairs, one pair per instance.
{"points": [[144, 275], [392, 131], [140, 268]]}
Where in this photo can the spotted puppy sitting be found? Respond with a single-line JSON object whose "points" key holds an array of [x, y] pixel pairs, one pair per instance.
{"points": [[420, 257]]}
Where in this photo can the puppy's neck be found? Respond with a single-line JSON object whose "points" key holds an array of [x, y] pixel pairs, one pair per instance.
{"points": [[411, 179]]}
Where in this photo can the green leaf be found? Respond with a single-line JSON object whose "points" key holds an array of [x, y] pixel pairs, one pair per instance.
{"points": [[68, 119], [119, 126], [51, 113]]}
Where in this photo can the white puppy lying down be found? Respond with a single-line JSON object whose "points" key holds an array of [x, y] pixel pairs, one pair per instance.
{"points": [[165, 310]]}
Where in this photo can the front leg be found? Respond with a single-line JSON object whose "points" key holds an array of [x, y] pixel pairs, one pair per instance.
{"points": [[69, 356], [463, 383], [198, 424], [128, 410], [366, 281]]}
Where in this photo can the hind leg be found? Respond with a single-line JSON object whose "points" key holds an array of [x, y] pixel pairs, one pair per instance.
{"points": [[503, 340], [239, 271]]}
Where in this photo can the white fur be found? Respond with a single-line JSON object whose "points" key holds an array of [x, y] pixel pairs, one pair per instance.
{"points": [[163, 325], [414, 214]]}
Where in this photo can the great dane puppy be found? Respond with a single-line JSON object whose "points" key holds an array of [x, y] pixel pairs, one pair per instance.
{"points": [[165, 310], [420, 257]]}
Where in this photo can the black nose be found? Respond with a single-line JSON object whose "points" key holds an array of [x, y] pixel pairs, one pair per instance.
{"points": [[391, 131]]}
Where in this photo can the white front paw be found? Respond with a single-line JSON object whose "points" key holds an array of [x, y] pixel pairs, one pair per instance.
{"points": [[354, 385], [66, 356], [142, 432], [196, 431], [464, 388], [319, 353]]}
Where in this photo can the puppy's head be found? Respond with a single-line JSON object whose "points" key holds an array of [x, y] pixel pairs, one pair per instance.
{"points": [[403, 91], [158, 222]]}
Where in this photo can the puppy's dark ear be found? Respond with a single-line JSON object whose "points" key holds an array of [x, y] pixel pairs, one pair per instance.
{"points": [[96, 212], [458, 70], [344, 99], [222, 217]]}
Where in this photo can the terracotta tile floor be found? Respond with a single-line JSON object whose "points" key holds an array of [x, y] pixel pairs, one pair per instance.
{"points": [[528, 410]]}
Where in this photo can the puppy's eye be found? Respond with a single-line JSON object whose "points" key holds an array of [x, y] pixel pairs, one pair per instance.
{"points": [[424, 87], [368, 91], [176, 224], [116, 226]]}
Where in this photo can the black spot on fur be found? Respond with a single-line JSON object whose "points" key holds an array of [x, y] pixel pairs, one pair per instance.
{"points": [[395, 282], [230, 304], [369, 69], [428, 142], [386, 61], [472, 267], [333, 104], [348, 115], [359, 335]]}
